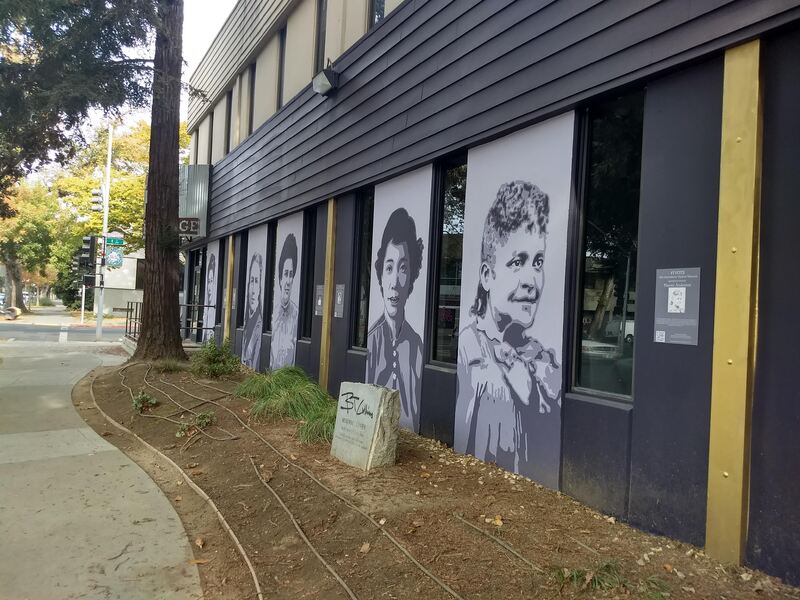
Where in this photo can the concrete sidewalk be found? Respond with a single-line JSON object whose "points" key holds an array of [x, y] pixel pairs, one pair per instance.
{"points": [[78, 519]]}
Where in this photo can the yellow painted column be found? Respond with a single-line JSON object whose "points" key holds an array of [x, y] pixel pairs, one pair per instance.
{"points": [[327, 297], [736, 311], [226, 321]]}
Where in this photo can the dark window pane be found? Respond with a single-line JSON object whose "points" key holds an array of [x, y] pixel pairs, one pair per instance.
{"points": [[377, 12], [610, 230], [307, 259], [448, 291], [272, 240], [364, 252], [139, 274], [319, 59]]}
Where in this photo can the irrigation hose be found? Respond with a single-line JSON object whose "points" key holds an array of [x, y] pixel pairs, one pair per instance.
{"points": [[347, 502], [185, 476]]}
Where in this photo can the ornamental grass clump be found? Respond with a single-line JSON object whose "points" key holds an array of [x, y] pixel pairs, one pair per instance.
{"points": [[288, 393]]}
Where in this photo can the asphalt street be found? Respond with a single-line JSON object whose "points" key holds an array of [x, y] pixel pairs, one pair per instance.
{"points": [[11, 331]]}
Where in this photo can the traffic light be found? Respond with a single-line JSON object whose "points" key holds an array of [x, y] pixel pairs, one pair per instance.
{"points": [[88, 253], [97, 200], [89, 279]]}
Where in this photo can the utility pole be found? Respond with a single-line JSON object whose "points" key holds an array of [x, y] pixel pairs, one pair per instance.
{"points": [[106, 196]]}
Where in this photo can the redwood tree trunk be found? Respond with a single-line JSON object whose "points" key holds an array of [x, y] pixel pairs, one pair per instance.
{"points": [[160, 336]]}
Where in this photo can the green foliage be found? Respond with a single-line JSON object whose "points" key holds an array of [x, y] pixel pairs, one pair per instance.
{"points": [[205, 419], [214, 362], [654, 588], [183, 430], [289, 393], [143, 402], [604, 576], [59, 59], [170, 365], [45, 301]]}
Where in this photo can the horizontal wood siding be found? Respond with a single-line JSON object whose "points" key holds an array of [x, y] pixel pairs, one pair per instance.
{"points": [[440, 75]]}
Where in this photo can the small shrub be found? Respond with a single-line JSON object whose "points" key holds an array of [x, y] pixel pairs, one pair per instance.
{"points": [[143, 401], [288, 393], [169, 365], [45, 301], [183, 430], [204, 419], [214, 362]]}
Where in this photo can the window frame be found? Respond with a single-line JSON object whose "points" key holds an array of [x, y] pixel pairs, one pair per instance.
{"points": [[281, 64], [440, 169], [269, 292], [358, 254], [576, 262], [251, 95], [228, 121], [319, 35], [307, 260], [241, 289]]}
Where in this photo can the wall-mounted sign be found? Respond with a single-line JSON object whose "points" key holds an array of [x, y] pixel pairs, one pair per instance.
{"points": [[677, 317], [318, 300], [338, 301], [188, 226], [114, 258]]}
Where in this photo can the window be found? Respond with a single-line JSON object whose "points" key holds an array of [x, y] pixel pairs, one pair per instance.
{"points": [[241, 288], [307, 259], [609, 242], [228, 113], [377, 11], [210, 147], [281, 63], [251, 93], [272, 241], [363, 267], [451, 194], [319, 58], [139, 285]]}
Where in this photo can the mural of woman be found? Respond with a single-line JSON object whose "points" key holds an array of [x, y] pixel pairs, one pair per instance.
{"points": [[210, 299], [394, 349], [253, 319], [508, 381], [285, 313]]}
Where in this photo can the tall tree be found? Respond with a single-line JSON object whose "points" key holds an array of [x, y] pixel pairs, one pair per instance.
{"points": [[58, 60], [160, 337], [26, 238]]}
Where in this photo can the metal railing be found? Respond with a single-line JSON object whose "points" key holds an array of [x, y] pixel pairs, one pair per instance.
{"points": [[191, 323]]}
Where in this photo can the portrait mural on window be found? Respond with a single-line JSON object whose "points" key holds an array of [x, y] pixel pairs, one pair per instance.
{"points": [[508, 407], [395, 340], [254, 296], [286, 293], [209, 297]]}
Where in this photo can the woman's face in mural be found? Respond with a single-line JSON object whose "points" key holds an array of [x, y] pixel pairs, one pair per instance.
{"points": [[286, 279], [254, 287], [210, 285], [395, 279], [515, 287]]}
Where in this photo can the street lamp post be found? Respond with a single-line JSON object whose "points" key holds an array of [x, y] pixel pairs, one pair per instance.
{"points": [[106, 197]]}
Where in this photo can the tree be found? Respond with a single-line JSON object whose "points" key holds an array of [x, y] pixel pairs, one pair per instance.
{"points": [[160, 336], [58, 60], [26, 238]]}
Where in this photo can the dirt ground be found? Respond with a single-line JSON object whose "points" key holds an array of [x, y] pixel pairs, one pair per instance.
{"points": [[567, 550]]}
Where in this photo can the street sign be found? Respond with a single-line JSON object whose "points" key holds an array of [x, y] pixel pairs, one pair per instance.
{"points": [[115, 241]]}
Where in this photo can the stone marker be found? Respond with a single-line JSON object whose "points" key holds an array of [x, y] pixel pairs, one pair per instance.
{"points": [[367, 424]]}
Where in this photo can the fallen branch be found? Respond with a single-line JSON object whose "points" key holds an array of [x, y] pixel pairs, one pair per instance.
{"points": [[301, 533], [505, 545], [305, 471]]}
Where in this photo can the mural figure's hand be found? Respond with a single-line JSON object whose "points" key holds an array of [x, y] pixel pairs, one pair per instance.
{"points": [[515, 371]]}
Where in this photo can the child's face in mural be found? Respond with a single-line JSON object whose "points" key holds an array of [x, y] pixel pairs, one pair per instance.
{"points": [[286, 279], [254, 287], [515, 286], [395, 280]]}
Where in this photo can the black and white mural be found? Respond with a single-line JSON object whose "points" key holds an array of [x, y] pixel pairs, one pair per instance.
{"points": [[286, 293], [254, 296], [210, 293], [508, 407], [397, 292]]}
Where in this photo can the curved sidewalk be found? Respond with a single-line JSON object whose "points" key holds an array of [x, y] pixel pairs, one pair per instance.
{"points": [[78, 519]]}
